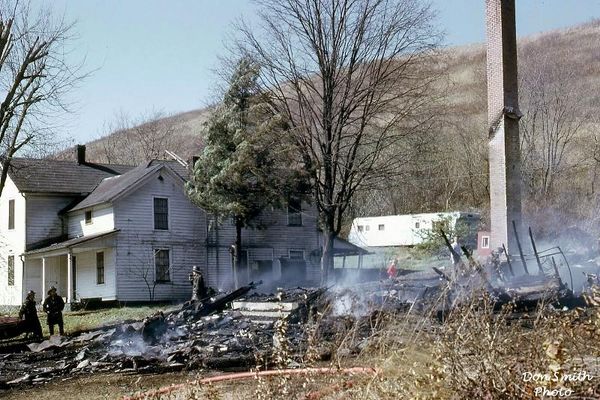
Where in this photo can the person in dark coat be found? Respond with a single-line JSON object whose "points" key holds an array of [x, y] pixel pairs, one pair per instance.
{"points": [[53, 306], [28, 313], [198, 285]]}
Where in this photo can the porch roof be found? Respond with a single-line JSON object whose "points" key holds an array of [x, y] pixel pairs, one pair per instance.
{"points": [[71, 243], [342, 247]]}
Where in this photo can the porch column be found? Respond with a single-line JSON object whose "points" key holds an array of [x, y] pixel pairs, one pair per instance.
{"points": [[69, 277], [43, 295]]}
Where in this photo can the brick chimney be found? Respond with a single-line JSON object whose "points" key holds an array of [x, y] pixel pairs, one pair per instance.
{"points": [[503, 119], [81, 154]]}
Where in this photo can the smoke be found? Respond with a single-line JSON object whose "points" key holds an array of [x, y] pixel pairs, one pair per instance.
{"points": [[130, 345], [350, 303]]}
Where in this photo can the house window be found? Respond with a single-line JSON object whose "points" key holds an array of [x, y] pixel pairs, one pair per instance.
{"points": [[296, 254], [485, 242], [360, 228], [161, 213], [88, 217], [381, 227], [161, 265], [417, 225], [295, 212], [100, 268], [11, 214], [367, 227], [11, 270]]}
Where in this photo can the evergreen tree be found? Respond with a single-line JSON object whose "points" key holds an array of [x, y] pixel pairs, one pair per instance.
{"points": [[245, 164]]}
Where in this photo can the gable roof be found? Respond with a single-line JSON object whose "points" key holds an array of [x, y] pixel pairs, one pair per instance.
{"points": [[179, 169], [111, 188], [32, 175]]}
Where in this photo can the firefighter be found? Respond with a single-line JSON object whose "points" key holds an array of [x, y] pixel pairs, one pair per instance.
{"points": [[198, 286], [28, 313], [53, 306]]}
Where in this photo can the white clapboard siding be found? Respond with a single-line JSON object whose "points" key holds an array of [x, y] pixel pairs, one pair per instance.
{"points": [[33, 276], [283, 238], [102, 221], [12, 242], [272, 241], [43, 221], [137, 239], [87, 286]]}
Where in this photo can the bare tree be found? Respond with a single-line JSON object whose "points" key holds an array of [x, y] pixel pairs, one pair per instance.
{"points": [[555, 117], [352, 77], [34, 77], [142, 251]]}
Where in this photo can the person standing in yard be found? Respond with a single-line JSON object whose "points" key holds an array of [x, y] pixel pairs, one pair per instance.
{"points": [[198, 286], [53, 306], [392, 270], [28, 313]]}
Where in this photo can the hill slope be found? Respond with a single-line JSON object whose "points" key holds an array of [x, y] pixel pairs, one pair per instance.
{"points": [[576, 49]]}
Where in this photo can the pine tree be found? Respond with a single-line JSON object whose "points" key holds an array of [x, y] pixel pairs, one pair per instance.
{"points": [[244, 166]]}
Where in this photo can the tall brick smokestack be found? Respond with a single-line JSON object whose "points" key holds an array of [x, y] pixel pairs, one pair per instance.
{"points": [[503, 119]]}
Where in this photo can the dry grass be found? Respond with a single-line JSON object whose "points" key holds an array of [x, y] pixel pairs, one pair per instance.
{"points": [[476, 353]]}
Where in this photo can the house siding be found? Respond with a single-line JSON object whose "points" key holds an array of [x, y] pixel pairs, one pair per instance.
{"points": [[271, 242], [282, 237], [87, 286], [102, 221], [43, 221], [12, 243], [137, 240]]}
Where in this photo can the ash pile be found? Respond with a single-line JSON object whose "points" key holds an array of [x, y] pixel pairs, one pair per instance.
{"points": [[196, 336], [553, 276]]}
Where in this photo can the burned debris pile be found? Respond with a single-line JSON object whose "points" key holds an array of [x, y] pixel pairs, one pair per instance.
{"points": [[241, 329], [208, 336]]}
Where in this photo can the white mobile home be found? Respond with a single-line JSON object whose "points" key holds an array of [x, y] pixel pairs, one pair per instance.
{"points": [[405, 230]]}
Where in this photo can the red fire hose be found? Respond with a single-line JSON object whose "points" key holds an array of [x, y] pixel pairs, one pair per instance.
{"points": [[246, 375]]}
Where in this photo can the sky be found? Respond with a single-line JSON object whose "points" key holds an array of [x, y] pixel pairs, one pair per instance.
{"points": [[161, 55]]}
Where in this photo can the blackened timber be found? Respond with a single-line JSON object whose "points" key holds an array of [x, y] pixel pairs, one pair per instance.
{"points": [[508, 260], [208, 307], [537, 257], [520, 248], [476, 266], [455, 255], [441, 273]]}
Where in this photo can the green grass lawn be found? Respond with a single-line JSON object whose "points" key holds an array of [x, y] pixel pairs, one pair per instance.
{"points": [[87, 320]]}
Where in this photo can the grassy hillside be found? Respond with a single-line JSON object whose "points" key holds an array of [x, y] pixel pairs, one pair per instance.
{"points": [[576, 48], [559, 75]]}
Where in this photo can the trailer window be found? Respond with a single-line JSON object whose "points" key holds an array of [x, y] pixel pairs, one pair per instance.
{"points": [[485, 242]]}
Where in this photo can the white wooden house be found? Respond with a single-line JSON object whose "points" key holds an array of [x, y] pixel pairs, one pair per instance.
{"points": [[406, 230], [131, 234]]}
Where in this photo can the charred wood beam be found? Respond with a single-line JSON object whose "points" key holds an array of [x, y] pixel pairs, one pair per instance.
{"points": [[477, 267], [537, 257], [520, 248], [220, 303], [568, 267], [455, 255], [508, 260], [441, 273]]}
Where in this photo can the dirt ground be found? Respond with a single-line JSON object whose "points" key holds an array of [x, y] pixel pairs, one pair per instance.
{"points": [[98, 386]]}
